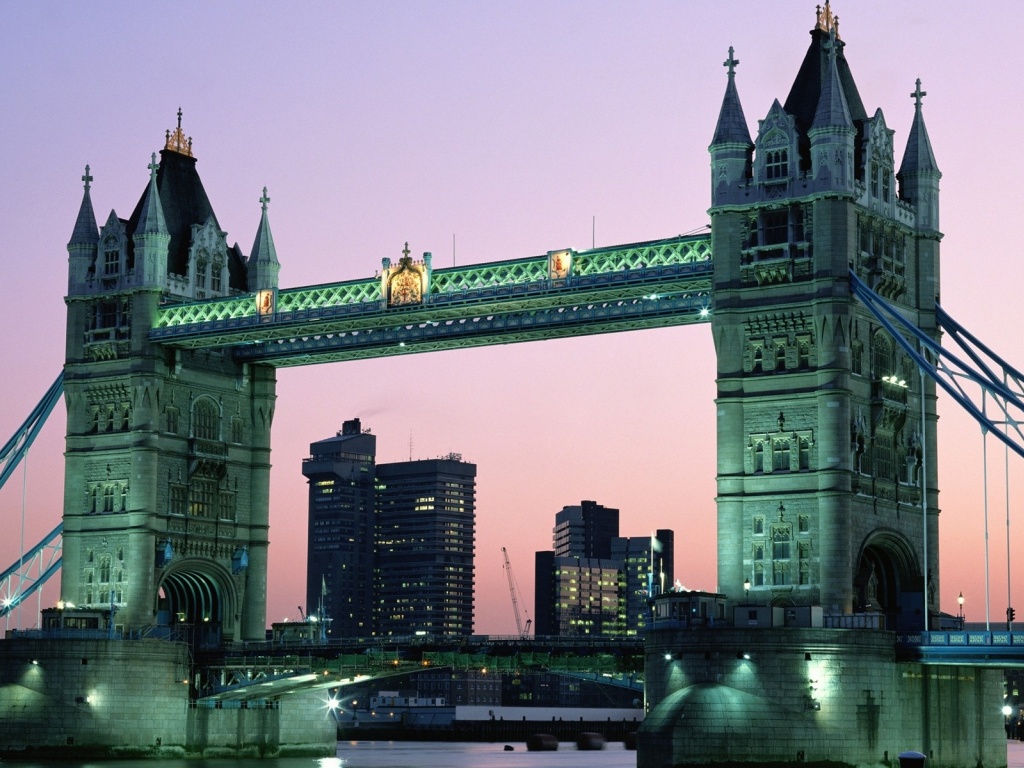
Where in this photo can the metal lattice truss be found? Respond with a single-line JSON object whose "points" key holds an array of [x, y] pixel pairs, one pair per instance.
{"points": [[31, 571], [980, 381], [14, 450], [642, 285]]}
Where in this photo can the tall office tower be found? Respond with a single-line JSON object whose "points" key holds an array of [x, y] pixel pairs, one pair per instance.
{"points": [[425, 545], [586, 530], [577, 589], [339, 558], [647, 570]]}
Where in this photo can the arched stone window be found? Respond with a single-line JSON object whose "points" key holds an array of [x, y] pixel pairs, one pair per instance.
{"points": [[882, 359], [205, 420]]}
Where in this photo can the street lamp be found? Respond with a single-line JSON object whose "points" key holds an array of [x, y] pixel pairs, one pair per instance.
{"points": [[960, 612], [746, 591]]}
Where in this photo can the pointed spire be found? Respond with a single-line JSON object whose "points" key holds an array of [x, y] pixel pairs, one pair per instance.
{"points": [[833, 110], [918, 156], [263, 266], [85, 232], [151, 219], [732, 125]]}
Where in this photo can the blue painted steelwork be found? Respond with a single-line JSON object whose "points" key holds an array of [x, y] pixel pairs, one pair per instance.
{"points": [[14, 450], [968, 647], [31, 571], [640, 285], [1002, 389]]}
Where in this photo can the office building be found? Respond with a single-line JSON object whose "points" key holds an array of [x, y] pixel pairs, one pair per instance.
{"points": [[647, 570], [424, 547], [585, 530], [340, 550]]}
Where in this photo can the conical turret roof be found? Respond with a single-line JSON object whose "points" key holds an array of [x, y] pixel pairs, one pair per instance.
{"points": [[85, 231]]}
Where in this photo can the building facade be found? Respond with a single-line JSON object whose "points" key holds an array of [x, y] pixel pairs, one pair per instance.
{"points": [[426, 526], [595, 582], [341, 472], [166, 486], [585, 530], [647, 564], [826, 434]]}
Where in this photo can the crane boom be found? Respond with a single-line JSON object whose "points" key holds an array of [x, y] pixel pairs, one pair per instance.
{"points": [[515, 601]]}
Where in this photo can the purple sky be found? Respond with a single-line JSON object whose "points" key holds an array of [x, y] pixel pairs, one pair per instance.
{"points": [[510, 127]]}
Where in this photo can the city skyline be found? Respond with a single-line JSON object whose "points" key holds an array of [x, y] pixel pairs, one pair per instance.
{"points": [[478, 135]]}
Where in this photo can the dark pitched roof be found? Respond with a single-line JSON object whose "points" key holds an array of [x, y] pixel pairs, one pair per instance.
{"points": [[805, 94], [184, 203], [732, 125]]}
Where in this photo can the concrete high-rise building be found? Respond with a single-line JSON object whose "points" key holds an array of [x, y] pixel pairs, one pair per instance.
{"points": [[425, 544], [585, 530], [594, 581], [340, 551], [647, 564]]}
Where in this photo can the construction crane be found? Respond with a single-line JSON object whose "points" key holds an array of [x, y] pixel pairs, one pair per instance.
{"points": [[523, 630]]}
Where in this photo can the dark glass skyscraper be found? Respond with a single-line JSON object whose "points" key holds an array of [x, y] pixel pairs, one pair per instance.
{"points": [[425, 544], [340, 553]]}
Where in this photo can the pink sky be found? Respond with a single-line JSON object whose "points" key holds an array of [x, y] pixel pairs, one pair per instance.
{"points": [[510, 126]]}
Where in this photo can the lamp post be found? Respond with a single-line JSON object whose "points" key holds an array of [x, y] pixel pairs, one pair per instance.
{"points": [[746, 591], [960, 610]]}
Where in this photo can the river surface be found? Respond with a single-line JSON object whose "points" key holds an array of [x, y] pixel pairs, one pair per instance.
{"points": [[391, 754], [417, 754]]}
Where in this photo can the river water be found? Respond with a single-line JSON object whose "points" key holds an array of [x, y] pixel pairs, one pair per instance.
{"points": [[415, 754], [391, 754]]}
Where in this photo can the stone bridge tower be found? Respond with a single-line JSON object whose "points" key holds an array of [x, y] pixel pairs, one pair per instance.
{"points": [[167, 451], [820, 444]]}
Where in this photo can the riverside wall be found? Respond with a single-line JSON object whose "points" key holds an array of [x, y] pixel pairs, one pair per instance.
{"points": [[773, 696], [119, 698]]}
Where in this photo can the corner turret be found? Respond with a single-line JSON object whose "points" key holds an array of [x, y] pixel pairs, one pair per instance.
{"points": [[84, 242], [832, 132], [151, 238], [919, 174], [731, 148], [262, 268]]}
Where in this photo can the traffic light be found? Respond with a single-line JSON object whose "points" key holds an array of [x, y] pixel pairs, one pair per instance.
{"points": [[1010, 613]]}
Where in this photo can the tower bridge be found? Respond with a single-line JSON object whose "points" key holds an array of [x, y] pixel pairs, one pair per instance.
{"points": [[827, 481]]}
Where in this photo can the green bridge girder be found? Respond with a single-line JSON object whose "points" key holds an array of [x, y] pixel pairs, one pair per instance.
{"points": [[641, 285]]}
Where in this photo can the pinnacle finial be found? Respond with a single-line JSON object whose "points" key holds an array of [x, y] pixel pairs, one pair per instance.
{"points": [[176, 141], [264, 199], [88, 178], [825, 21], [918, 94], [406, 251], [152, 167], [731, 62]]}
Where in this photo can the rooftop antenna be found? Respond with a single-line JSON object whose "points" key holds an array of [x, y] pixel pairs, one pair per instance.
{"points": [[410, 446]]}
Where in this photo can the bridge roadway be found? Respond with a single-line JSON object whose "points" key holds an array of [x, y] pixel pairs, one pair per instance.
{"points": [[651, 284], [259, 671]]}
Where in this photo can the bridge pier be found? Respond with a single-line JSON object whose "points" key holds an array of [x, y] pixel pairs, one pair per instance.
{"points": [[75, 698], [765, 696]]}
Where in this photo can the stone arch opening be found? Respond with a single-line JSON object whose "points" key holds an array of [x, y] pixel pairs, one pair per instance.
{"points": [[195, 599], [888, 581]]}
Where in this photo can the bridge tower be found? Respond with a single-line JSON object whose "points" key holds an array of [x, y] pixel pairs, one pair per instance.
{"points": [[820, 440], [167, 451]]}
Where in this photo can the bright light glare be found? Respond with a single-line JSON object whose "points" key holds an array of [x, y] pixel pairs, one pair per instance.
{"points": [[1007, 710], [704, 312]]}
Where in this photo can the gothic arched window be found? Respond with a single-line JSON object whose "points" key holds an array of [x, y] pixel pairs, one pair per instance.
{"points": [[205, 420]]}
